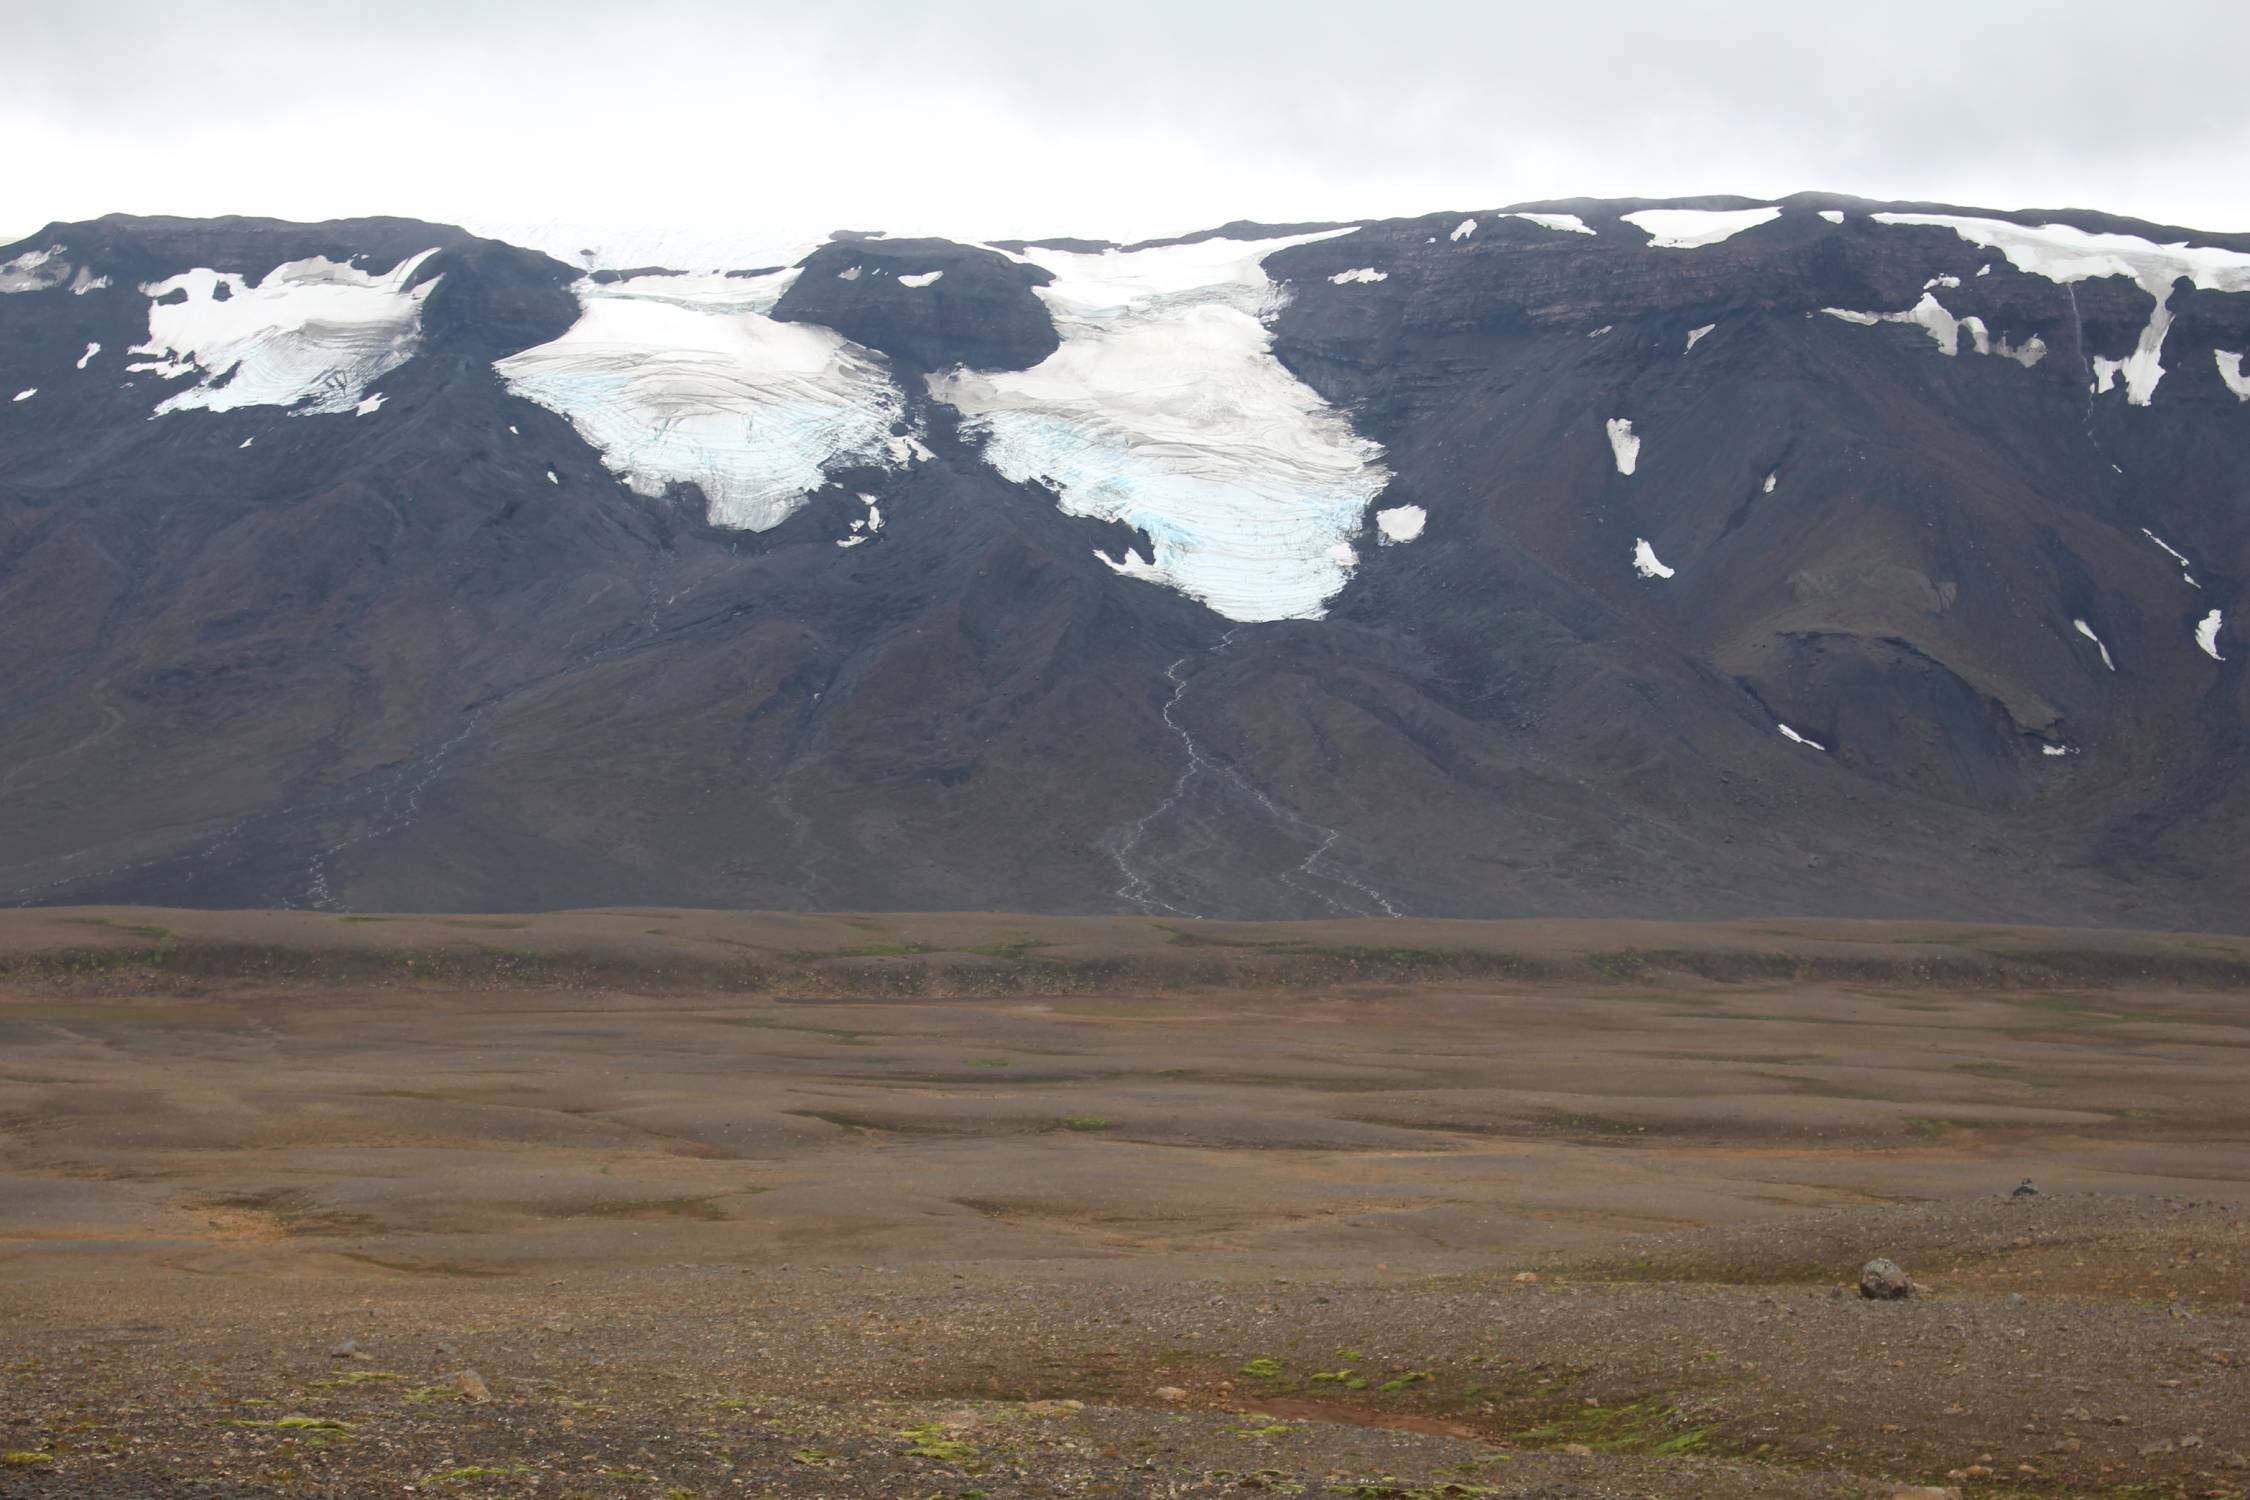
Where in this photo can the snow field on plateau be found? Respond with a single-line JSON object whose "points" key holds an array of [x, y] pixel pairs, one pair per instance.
{"points": [[2065, 255], [1692, 228], [686, 379], [1560, 223], [311, 336], [1164, 408]]}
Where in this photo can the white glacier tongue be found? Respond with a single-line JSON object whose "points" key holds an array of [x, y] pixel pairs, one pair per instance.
{"points": [[2065, 255], [686, 379], [312, 335], [1164, 408]]}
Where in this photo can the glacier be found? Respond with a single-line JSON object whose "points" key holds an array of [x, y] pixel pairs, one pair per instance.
{"points": [[311, 336], [685, 378], [1164, 408]]}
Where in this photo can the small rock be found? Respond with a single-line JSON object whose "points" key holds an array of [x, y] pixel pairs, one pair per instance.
{"points": [[1883, 1281], [1527, 1275], [2191, 1441], [470, 1384], [1170, 1393], [2156, 1449], [345, 1350], [2017, 1299], [2026, 1189]]}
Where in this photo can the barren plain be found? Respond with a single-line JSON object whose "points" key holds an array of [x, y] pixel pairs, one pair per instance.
{"points": [[673, 1203]]}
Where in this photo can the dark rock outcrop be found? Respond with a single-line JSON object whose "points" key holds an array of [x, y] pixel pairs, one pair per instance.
{"points": [[979, 310]]}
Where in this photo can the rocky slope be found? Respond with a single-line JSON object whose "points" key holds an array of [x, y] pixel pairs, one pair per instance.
{"points": [[1609, 558]]}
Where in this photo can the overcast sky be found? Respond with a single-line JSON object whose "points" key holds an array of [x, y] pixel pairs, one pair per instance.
{"points": [[988, 120]]}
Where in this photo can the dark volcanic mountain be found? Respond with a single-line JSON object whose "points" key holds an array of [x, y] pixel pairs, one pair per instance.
{"points": [[1683, 559]]}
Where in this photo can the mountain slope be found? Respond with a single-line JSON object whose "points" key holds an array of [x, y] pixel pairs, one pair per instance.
{"points": [[1670, 559]]}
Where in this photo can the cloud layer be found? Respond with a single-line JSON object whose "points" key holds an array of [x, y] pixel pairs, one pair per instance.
{"points": [[1019, 118]]}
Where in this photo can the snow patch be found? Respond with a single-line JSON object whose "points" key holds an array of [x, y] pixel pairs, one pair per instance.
{"points": [[91, 351], [1597, 333], [371, 405], [2230, 372], [1772, 479], [1945, 330], [2058, 749], [1463, 230], [311, 336], [2207, 634], [1645, 561], [246, 442], [35, 270], [552, 477], [849, 273], [685, 379], [1833, 215], [1365, 274], [2027, 354], [27, 395], [1697, 333], [1690, 228], [1931, 316], [2177, 555], [906, 451], [2087, 631], [924, 279], [2065, 255], [1560, 223], [1623, 446], [1401, 523], [1795, 738], [1164, 408]]}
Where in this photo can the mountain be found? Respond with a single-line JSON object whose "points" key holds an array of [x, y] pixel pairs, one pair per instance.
{"points": [[1680, 559]]}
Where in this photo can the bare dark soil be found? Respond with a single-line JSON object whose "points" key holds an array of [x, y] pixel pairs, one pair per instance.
{"points": [[952, 1206]]}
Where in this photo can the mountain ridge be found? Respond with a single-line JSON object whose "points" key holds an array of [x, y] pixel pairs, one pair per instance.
{"points": [[445, 656]]}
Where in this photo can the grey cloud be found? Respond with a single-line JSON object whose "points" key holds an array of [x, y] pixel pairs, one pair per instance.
{"points": [[1317, 109]]}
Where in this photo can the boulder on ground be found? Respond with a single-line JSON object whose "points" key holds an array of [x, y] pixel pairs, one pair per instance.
{"points": [[1883, 1281]]}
